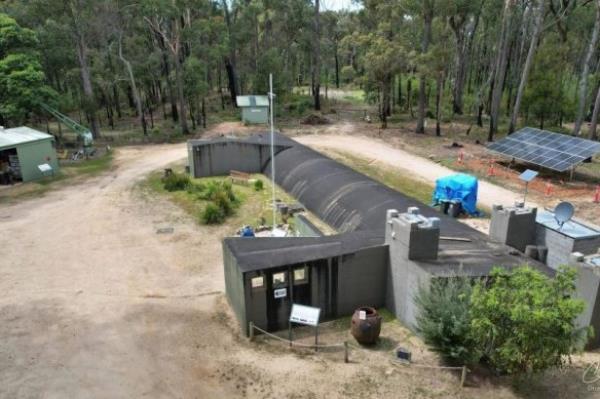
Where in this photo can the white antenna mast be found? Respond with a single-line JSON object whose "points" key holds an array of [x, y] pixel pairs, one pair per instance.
{"points": [[271, 96]]}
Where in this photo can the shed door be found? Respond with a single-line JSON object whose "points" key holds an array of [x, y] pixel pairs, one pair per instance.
{"points": [[278, 299]]}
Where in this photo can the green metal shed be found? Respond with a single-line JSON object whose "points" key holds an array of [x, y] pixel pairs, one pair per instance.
{"points": [[255, 109], [24, 150]]}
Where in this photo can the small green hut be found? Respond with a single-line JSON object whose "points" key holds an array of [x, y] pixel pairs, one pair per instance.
{"points": [[255, 109], [24, 150]]}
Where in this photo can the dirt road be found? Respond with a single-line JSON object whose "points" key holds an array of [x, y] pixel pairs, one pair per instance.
{"points": [[95, 304], [421, 168]]}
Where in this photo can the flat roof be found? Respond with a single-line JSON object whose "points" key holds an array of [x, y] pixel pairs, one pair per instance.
{"points": [[20, 135], [257, 253], [252, 101], [571, 228]]}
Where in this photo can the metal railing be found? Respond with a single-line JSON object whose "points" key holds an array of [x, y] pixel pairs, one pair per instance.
{"points": [[346, 345]]}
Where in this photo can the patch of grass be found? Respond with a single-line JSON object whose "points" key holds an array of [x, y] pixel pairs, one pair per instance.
{"points": [[69, 173], [252, 207], [391, 177], [90, 167]]}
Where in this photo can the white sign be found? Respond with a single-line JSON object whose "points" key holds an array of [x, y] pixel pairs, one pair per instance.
{"points": [[306, 315], [280, 293], [45, 168]]}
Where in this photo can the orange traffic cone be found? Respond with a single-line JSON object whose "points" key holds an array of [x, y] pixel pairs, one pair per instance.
{"points": [[491, 171], [548, 191], [597, 195]]}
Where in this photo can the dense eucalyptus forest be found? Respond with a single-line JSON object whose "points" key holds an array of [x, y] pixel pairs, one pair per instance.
{"points": [[498, 63]]}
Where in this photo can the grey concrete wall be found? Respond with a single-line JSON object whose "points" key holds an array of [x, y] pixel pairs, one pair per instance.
{"points": [[588, 246], [362, 280], [515, 227], [403, 282], [234, 287], [405, 276], [587, 289], [190, 150], [559, 246], [218, 159]]}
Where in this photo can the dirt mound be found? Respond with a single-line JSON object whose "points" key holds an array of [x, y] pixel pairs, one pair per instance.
{"points": [[315, 119]]}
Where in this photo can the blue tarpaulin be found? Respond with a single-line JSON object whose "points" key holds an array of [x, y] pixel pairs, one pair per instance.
{"points": [[459, 187]]}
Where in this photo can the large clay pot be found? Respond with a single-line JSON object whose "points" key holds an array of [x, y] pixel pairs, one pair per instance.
{"points": [[366, 330]]}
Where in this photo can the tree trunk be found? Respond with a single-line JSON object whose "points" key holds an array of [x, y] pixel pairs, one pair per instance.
{"points": [[409, 97], [230, 59], [231, 76], [171, 90], [438, 101], [528, 61], [500, 74], [134, 90], [594, 121], [88, 91], [179, 81], [427, 21], [203, 113], [400, 90], [337, 69], [317, 60], [584, 73]]}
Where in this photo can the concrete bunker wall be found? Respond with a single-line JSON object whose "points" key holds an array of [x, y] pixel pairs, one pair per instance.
{"points": [[234, 287], [362, 280], [218, 158]]}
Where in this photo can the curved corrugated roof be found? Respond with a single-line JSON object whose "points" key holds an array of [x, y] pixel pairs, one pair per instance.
{"points": [[344, 198]]}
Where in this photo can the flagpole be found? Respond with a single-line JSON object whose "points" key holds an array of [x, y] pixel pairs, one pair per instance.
{"points": [[271, 95]]}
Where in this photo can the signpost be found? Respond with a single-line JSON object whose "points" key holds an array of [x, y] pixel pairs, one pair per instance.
{"points": [[527, 176], [305, 315], [46, 169]]}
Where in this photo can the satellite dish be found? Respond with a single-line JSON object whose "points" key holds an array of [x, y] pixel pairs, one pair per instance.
{"points": [[563, 213]]}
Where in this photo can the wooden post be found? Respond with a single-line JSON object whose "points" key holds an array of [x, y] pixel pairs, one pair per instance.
{"points": [[463, 376], [251, 326], [346, 359], [316, 338]]}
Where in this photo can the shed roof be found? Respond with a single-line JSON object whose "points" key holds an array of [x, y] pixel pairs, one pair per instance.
{"points": [[252, 101], [20, 135]]}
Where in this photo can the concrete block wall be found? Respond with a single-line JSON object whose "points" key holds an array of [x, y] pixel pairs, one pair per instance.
{"points": [[410, 238], [513, 226], [417, 236], [362, 279], [588, 289], [560, 246]]}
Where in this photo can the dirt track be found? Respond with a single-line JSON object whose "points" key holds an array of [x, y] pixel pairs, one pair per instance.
{"points": [[488, 195]]}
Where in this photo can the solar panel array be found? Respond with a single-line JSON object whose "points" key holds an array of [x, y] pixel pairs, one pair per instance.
{"points": [[547, 149]]}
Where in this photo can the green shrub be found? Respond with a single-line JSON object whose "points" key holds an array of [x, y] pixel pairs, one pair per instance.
{"points": [[258, 185], [444, 319], [214, 188], [212, 214], [524, 321], [195, 188], [176, 182], [224, 203]]}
